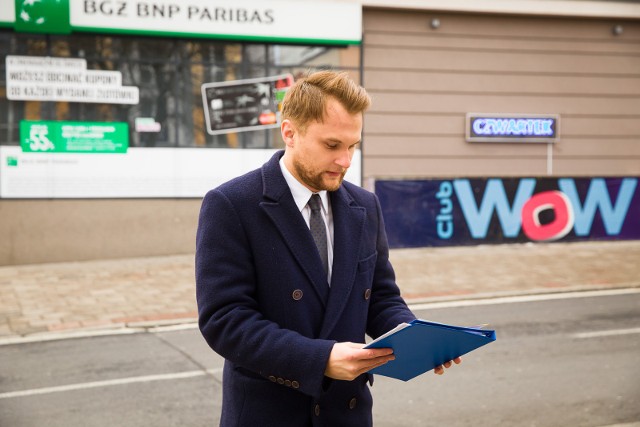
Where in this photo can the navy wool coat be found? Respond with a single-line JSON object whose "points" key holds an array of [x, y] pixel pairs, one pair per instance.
{"points": [[264, 303]]}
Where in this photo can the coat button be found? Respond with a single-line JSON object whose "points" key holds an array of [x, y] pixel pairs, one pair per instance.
{"points": [[272, 378], [287, 383], [367, 294], [316, 410], [280, 381], [295, 384], [352, 403], [297, 295]]}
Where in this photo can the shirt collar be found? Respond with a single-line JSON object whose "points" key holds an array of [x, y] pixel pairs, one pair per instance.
{"points": [[300, 193]]}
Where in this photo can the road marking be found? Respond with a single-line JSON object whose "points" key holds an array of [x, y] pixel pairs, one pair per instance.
{"points": [[108, 383], [523, 298], [609, 333]]}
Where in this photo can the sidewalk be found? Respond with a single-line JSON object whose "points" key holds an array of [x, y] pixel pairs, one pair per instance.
{"points": [[36, 299]]}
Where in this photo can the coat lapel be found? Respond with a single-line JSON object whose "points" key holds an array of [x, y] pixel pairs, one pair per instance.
{"points": [[279, 205], [348, 226]]}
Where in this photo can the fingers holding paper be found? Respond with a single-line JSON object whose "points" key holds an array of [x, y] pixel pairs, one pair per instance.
{"points": [[349, 360], [439, 370]]}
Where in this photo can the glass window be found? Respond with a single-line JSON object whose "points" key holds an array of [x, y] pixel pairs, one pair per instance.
{"points": [[169, 73]]}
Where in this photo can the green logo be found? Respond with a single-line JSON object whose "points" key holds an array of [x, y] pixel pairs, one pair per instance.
{"points": [[43, 16], [12, 161]]}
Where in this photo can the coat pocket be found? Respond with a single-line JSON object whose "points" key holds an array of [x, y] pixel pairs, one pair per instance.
{"points": [[367, 263]]}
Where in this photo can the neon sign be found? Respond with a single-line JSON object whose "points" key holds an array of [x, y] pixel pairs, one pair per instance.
{"points": [[512, 128]]}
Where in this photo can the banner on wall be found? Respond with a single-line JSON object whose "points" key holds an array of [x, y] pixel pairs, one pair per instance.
{"points": [[137, 173], [420, 213]]}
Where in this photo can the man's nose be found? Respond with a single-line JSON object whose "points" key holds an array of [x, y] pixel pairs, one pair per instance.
{"points": [[344, 159]]}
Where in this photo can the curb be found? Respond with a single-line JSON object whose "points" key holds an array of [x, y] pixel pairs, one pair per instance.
{"points": [[528, 292], [105, 330], [170, 325]]}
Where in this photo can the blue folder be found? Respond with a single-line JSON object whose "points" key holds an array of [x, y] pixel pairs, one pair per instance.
{"points": [[420, 346]]}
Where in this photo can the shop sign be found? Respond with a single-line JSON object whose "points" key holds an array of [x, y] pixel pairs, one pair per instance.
{"points": [[45, 78], [242, 105], [73, 137], [320, 22], [420, 213], [512, 128]]}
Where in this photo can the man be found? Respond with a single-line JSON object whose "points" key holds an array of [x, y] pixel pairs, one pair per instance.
{"points": [[289, 318]]}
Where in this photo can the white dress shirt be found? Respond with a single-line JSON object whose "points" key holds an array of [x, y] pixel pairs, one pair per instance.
{"points": [[301, 196]]}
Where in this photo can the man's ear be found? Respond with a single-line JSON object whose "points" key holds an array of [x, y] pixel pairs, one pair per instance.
{"points": [[288, 131]]}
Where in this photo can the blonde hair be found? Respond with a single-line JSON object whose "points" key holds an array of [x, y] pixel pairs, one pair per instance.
{"points": [[306, 100]]}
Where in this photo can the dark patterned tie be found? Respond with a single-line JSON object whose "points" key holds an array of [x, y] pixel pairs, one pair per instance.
{"points": [[318, 230]]}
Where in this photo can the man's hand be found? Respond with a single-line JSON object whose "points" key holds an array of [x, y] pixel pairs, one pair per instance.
{"points": [[439, 370], [348, 360]]}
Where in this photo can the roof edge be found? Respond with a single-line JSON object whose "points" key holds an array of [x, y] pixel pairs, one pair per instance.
{"points": [[559, 8]]}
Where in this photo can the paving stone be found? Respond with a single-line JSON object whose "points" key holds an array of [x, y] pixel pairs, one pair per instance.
{"points": [[78, 295]]}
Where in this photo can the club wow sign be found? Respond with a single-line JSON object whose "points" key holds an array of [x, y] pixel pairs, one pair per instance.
{"points": [[508, 210]]}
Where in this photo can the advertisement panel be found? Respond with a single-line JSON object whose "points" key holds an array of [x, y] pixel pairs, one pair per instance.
{"points": [[138, 173], [46, 78], [242, 105], [74, 137], [420, 213]]}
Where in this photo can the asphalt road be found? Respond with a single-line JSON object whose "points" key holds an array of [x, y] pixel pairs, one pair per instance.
{"points": [[557, 362]]}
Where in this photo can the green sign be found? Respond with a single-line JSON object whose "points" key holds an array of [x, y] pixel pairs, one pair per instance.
{"points": [[73, 137], [324, 22]]}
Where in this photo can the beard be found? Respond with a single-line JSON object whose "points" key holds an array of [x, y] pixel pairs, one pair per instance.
{"points": [[315, 179]]}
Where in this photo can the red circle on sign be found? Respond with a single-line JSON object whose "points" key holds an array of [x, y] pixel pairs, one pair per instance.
{"points": [[556, 229]]}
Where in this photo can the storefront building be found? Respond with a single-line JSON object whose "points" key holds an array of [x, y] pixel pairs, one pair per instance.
{"points": [[105, 148], [503, 122], [517, 121]]}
